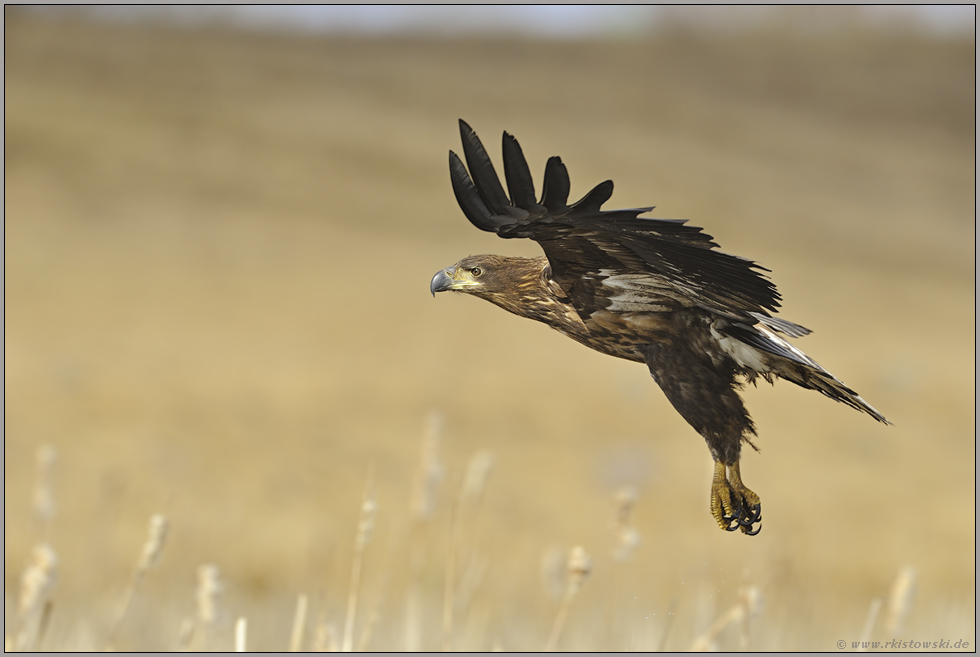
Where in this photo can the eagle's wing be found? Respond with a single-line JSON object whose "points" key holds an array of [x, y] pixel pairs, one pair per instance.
{"points": [[608, 259]]}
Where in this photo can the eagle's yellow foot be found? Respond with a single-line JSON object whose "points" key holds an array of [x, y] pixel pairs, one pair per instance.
{"points": [[732, 504]]}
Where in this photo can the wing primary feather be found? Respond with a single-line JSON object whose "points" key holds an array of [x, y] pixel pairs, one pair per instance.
{"points": [[554, 196], [518, 175], [469, 199], [484, 175], [592, 202]]}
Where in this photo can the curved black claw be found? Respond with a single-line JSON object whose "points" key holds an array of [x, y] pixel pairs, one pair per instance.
{"points": [[746, 523], [734, 519], [753, 517]]}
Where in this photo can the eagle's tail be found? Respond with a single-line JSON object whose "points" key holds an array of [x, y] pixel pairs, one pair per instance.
{"points": [[787, 362], [817, 378]]}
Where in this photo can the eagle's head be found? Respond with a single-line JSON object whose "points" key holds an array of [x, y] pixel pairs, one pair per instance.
{"points": [[511, 283], [480, 275]]}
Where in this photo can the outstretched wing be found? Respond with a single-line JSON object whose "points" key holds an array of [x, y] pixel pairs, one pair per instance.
{"points": [[606, 259]]}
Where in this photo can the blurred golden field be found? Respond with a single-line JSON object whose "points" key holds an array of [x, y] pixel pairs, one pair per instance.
{"points": [[217, 253]]}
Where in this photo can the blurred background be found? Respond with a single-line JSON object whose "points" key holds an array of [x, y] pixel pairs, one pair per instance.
{"points": [[220, 226]]}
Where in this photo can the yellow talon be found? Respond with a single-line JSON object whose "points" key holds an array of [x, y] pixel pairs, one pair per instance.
{"points": [[734, 506]]}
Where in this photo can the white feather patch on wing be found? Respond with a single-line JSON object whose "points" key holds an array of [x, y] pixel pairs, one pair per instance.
{"points": [[786, 345], [746, 356], [633, 293], [756, 359]]}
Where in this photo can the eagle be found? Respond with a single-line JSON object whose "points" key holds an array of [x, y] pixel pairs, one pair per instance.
{"points": [[654, 291]]}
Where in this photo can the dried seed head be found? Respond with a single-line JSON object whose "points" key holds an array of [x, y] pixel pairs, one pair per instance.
{"points": [[38, 580], [625, 537], [365, 526], [208, 594], [154, 541], [623, 502], [579, 567]]}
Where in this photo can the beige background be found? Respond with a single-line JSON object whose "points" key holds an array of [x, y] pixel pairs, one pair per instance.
{"points": [[217, 252]]}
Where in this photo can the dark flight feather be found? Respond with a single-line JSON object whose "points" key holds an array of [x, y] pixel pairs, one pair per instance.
{"points": [[484, 175], [518, 177], [469, 198], [583, 240], [554, 196], [592, 202]]}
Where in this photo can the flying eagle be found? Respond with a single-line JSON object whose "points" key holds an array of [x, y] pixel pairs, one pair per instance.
{"points": [[649, 290]]}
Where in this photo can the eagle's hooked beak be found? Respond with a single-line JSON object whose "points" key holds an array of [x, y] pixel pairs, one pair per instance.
{"points": [[442, 281], [451, 278]]}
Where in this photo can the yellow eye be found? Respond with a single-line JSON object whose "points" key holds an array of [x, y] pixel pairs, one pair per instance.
{"points": [[476, 271]]}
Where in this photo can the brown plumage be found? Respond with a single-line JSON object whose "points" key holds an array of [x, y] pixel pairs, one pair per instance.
{"points": [[648, 290]]}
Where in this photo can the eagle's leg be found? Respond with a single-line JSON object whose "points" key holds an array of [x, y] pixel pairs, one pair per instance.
{"points": [[732, 504], [703, 389], [721, 500]]}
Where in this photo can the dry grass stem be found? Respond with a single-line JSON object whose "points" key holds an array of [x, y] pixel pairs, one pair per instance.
{"points": [[413, 617], [36, 584], [241, 628], [477, 474], [869, 623], [372, 620], [900, 599], [371, 623], [208, 596], [749, 602], [429, 474], [425, 485], [578, 569], [469, 582], [43, 624], [449, 589], [156, 537], [299, 624], [458, 593], [365, 527], [186, 635]]}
